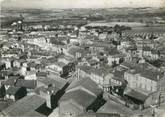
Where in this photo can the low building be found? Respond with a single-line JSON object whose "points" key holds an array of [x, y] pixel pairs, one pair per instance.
{"points": [[98, 75], [56, 67], [82, 95], [15, 93], [65, 59], [154, 54], [51, 94], [8, 62], [10, 81], [30, 85], [52, 90], [24, 106], [18, 63], [30, 75], [143, 81], [115, 57]]}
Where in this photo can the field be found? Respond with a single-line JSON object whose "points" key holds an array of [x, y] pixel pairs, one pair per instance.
{"points": [[112, 24], [160, 29], [137, 28]]}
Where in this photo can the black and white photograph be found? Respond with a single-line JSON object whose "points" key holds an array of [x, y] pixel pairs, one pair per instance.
{"points": [[82, 58]]}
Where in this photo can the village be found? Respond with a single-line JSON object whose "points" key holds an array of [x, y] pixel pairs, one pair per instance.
{"points": [[81, 70]]}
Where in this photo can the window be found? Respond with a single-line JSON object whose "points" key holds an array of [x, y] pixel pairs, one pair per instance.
{"points": [[145, 86], [140, 85], [136, 84]]}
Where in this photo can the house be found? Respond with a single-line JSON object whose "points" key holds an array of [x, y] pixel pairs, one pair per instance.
{"points": [[140, 42], [125, 43], [131, 52], [154, 54], [73, 34], [56, 67], [31, 66], [84, 71], [52, 79], [28, 84], [159, 112], [65, 59], [23, 70], [145, 51], [82, 95], [25, 106], [51, 90], [93, 63], [162, 52], [127, 65], [113, 36], [48, 93], [143, 82], [15, 93], [41, 74], [10, 81], [30, 75], [69, 69], [117, 82], [98, 75], [3, 75], [103, 36], [115, 57], [73, 40], [8, 62], [51, 94], [76, 52], [18, 63], [10, 53]]}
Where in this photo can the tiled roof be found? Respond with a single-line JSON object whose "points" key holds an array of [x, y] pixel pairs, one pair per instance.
{"points": [[137, 95], [113, 52], [50, 89], [80, 97], [72, 50], [145, 48], [24, 106], [11, 81], [30, 84], [153, 75], [12, 90], [60, 64], [148, 73], [87, 83], [86, 69], [57, 82]]}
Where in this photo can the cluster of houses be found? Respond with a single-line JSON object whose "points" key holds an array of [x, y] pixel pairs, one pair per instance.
{"points": [[71, 72]]}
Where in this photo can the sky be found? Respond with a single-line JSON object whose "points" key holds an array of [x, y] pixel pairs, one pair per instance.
{"points": [[81, 3]]}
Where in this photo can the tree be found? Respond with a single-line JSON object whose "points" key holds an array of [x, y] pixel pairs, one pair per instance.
{"points": [[119, 29]]}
